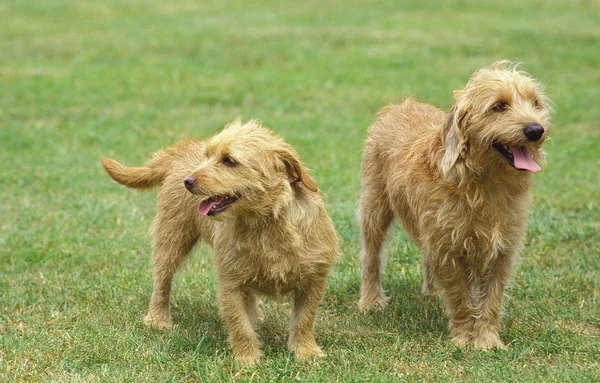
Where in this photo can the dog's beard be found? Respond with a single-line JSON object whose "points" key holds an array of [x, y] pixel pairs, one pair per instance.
{"points": [[517, 156]]}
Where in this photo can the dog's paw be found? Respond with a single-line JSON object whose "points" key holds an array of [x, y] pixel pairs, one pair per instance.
{"points": [[260, 317], [488, 340], [461, 340], [161, 324], [248, 359], [428, 289], [304, 347], [306, 352], [378, 302]]}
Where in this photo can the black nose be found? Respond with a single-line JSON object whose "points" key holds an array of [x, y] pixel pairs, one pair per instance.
{"points": [[533, 132], [189, 182]]}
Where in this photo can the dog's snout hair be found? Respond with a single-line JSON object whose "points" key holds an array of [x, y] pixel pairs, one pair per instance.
{"points": [[459, 182]]}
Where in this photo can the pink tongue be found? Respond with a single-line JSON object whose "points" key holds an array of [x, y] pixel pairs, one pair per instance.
{"points": [[205, 206], [523, 160]]}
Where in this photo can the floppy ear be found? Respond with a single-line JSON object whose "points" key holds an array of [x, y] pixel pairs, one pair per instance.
{"points": [[455, 141], [295, 170]]}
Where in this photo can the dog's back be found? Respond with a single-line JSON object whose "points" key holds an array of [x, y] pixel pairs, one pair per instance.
{"points": [[166, 169], [403, 146], [404, 124]]}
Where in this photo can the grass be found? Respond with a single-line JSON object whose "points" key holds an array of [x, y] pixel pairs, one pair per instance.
{"points": [[82, 80]]}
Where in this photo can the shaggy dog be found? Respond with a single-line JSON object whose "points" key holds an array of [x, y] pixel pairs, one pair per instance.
{"points": [[459, 182], [246, 193]]}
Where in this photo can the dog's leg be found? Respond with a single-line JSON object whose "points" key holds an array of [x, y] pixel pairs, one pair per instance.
{"points": [[235, 304], [452, 280], [302, 338], [428, 286], [254, 311], [172, 243], [375, 217], [488, 306]]}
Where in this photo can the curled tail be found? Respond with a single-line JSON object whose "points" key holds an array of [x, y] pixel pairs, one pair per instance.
{"points": [[150, 175]]}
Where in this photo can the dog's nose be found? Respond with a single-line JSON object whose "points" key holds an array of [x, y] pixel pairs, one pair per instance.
{"points": [[189, 182], [533, 132]]}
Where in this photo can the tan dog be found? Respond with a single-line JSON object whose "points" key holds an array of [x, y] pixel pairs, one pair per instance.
{"points": [[459, 182], [246, 193]]}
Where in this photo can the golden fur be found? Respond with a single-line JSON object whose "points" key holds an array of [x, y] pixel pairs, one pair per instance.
{"points": [[459, 199], [275, 239]]}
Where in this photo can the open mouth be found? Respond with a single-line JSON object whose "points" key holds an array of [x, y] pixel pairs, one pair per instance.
{"points": [[215, 205], [517, 156]]}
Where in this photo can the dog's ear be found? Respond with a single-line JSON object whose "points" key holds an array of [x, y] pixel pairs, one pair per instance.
{"points": [[454, 138], [295, 170]]}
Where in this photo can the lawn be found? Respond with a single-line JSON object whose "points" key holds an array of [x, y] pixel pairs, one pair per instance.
{"points": [[87, 79]]}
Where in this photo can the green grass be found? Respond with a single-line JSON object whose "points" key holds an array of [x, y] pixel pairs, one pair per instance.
{"points": [[82, 80]]}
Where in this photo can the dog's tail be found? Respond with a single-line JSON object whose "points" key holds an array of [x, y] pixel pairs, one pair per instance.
{"points": [[150, 175]]}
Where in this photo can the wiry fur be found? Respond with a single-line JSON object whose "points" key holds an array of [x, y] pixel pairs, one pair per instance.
{"points": [[460, 200], [276, 239]]}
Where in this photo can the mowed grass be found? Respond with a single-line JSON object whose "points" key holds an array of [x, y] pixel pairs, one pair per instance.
{"points": [[83, 80]]}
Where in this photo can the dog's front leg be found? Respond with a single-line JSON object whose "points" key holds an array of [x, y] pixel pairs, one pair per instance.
{"points": [[235, 305], [488, 306], [302, 338], [254, 311], [451, 278]]}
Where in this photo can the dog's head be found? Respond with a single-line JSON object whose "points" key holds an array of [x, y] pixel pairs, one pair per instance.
{"points": [[246, 169], [499, 121]]}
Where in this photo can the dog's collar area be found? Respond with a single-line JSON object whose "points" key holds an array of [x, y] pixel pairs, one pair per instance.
{"points": [[517, 156], [215, 205]]}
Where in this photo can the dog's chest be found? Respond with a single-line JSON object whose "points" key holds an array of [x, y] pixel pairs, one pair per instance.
{"points": [[487, 232], [480, 231], [269, 261]]}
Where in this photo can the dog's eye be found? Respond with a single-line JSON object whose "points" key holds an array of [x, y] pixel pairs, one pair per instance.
{"points": [[499, 106], [227, 161], [536, 103]]}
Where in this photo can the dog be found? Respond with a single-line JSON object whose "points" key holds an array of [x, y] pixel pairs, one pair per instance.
{"points": [[459, 183], [246, 193]]}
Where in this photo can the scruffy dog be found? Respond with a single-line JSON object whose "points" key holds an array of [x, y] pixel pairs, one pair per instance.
{"points": [[245, 192], [459, 182]]}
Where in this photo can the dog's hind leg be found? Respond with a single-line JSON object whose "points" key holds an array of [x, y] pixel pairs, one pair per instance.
{"points": [[254, 311], [375, 217], [173, 238], [428, 285]]}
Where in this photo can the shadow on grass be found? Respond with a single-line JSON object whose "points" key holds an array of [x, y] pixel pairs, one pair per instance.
{"points": [[410, 317], [411, 320], [414, 311], [200, 328]]}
